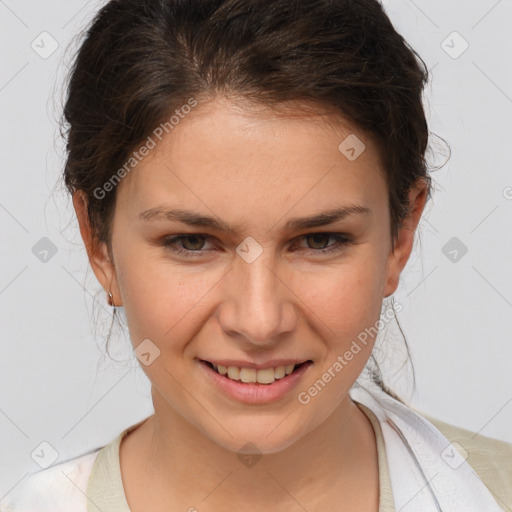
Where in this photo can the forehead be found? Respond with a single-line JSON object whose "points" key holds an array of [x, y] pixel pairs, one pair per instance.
{"points": [[224, 153]]}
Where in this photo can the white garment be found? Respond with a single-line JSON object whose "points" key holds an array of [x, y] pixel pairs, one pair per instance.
{"points": [[421, 479], [426, 473], [59, 488]]}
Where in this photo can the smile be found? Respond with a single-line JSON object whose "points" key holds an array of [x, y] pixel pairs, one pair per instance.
{"points": [[265, 384], [253, 375]]}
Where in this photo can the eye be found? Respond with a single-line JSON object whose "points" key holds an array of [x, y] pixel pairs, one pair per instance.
{"points": [[194, 249], [320, 239], [192, 245]]}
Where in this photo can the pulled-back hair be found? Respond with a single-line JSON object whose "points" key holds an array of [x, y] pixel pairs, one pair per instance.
{"points": [[141, 60]]}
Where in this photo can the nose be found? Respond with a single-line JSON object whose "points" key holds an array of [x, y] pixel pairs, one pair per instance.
{"points": [[257, 304]]}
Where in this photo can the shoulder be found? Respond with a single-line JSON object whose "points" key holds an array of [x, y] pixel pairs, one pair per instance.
{"points": [[491, 459], [58, 488]]}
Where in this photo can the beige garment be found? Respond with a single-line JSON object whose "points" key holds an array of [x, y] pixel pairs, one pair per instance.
{"points": [[491, 459]]}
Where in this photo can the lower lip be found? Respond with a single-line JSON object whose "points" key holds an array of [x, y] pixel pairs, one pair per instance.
{"points": [[255, 393]]}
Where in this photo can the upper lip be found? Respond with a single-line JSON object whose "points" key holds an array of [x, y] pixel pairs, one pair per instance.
{"points": [[274, 363]]}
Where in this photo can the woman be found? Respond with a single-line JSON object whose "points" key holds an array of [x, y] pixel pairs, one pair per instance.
{"points": [[248, 178]]}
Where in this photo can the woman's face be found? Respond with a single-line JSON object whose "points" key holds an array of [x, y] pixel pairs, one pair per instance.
{"points": [[262, 293]]}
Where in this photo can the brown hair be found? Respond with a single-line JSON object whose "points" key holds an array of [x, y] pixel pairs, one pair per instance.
{"points": [[140, 60]]}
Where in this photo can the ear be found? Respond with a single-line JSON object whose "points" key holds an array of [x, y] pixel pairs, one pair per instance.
{"points": [[97, 251], [398, 258]]}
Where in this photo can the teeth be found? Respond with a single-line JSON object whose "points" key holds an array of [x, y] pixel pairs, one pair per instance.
{"points": [[264, 376]]}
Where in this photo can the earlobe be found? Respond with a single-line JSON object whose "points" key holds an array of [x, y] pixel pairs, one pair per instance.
{"points": [[97, 251]]}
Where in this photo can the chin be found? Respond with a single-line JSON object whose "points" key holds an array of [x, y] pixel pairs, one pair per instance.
{"points": [[255, 438]]}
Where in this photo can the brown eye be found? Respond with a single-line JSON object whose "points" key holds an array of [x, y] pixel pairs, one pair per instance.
{"points": [[318, 243], [196, 245], [318, 239], [186, 245]]}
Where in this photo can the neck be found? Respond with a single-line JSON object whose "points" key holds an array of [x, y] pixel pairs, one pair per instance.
{"points": [[339, 457]]}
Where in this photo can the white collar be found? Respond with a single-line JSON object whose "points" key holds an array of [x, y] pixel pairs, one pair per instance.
{"points": [[426, 474]]}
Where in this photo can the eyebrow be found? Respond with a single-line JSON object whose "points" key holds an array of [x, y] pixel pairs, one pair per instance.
{"points": [[295, 224]]}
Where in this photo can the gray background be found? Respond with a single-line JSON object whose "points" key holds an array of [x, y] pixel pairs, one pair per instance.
{"points": [[57, 383]]}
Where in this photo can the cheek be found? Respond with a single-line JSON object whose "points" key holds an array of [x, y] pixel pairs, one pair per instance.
{"points": [[345, 299], [162, 301], [165, 301]]}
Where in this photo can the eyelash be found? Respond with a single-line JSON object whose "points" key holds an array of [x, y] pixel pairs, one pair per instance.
{"points": [[341, 239]]}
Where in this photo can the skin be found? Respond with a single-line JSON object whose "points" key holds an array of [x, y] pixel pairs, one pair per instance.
{"points": [[254, 169]]}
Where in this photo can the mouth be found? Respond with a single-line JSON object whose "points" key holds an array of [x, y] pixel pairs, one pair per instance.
{"points": [[263, 376]]}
